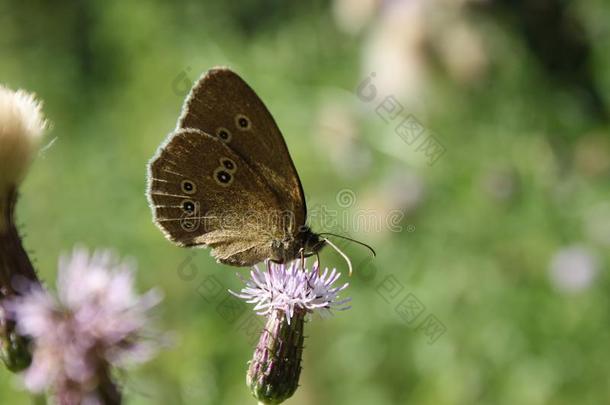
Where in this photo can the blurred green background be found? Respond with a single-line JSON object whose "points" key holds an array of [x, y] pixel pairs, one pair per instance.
{"points": [[491, 283]]}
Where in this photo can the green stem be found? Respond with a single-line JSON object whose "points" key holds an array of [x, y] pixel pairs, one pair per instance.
{"points": [[14, 264]]}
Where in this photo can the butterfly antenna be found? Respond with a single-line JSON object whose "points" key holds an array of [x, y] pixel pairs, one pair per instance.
{"points": [[349, 263], [350, 239]]}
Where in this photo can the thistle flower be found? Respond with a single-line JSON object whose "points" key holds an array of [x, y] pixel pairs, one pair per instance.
{"points": [[96, 322], [286, 294], [288, 288]]}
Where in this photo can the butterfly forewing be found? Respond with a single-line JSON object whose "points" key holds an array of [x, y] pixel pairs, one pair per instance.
{"points": [[204, 193], [223, 105]]}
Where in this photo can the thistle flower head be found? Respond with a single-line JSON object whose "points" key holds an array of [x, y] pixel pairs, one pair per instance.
{"points": [[285, 294], [289, 287], [21, 128], [95, 322]]}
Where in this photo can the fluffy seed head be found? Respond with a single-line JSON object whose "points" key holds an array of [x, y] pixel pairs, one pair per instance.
{"points": [[22, 126]]}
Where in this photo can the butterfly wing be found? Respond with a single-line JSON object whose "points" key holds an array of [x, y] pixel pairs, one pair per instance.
{"points": [[222, 104], [203, 193]]}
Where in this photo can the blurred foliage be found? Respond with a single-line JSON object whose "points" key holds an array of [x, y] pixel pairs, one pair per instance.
{"points": [[525, 174]]}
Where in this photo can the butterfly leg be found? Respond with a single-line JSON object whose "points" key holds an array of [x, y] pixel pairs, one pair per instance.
{"points": [[302, 252]]}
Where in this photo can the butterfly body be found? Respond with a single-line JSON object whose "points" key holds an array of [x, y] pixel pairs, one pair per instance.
{"points": [[224, 178], [304, 244]]}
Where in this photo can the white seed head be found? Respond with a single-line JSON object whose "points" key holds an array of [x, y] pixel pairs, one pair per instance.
{"points": [[22, 126]]}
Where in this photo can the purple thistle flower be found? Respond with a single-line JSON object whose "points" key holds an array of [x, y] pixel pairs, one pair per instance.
{"points": [[96, 322], [286, 294], [288, 287]]}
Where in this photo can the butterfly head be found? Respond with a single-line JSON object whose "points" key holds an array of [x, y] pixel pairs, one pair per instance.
{"points": [[304, 244], [309, 242]]}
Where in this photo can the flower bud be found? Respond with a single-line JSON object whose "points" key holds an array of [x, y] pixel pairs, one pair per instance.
{"points": [[14, 349], [273, 375]]}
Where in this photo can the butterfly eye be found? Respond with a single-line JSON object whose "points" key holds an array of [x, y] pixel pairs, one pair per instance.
{"points": [[188, 206], [223, 177], [188, 187], [242, 122], [228, 164], [223, 134]]}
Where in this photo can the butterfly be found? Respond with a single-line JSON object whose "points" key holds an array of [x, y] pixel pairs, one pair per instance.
{"points": [[224, 179]]}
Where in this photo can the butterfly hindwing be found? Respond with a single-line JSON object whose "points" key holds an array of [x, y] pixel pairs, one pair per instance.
{"points": [[224, 106]]}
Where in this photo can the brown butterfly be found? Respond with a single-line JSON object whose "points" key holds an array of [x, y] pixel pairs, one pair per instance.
{"points": [[224, 179]]}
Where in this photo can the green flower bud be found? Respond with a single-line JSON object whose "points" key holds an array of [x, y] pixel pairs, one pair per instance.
{"points": [[275, 368]]}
